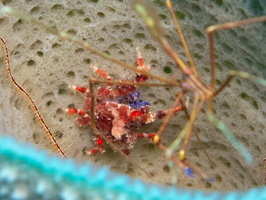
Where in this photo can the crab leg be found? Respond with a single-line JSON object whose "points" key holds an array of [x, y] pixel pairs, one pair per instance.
{"points": [[99, 148], [211, 29], [182, 37], [101, 73], [80, 89], [197, 105]]}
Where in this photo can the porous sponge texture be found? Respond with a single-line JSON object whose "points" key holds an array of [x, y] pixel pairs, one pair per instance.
{"points": [[45, 65]]}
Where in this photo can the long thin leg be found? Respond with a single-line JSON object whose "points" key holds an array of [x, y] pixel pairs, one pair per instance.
{"points": [[185, 146], [152, 21], [48, 132], [182, 163], [83, 44], [182, 38], [219, 124], [187, 137], [227, 133], [125, 82], [169, 115], [188, 134], [210, 115], [197, 105], [211, 29], [241, 74], [138, 77]]}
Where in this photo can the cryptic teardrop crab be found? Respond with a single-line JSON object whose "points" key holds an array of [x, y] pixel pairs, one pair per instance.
{"points": [[117, 111]]}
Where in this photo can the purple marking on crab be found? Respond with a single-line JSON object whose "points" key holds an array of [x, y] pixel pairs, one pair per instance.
{"points": [[189, 172], [133, 96], [138, 104], [130, 97]]}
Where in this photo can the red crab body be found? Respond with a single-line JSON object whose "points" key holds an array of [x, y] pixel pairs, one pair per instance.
{"points": [[117, 112], [116, 121]]}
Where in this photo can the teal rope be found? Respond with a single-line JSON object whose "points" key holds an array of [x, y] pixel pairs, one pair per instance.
{"points": [[27, 173]]}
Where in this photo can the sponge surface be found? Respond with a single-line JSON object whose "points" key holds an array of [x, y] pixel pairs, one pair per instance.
{"points": [[45, 65]]}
